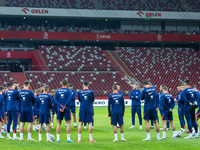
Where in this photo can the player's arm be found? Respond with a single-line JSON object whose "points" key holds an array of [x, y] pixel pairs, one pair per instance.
{"points": [[18, 95], [93, 97], [33, 98], [123, 105], [185, 98], [74, 96], [173, 103], [37, 102], [79, 97], [56, 99], [69, 98], [164, 102], [157, 100], [109, 103], [131, 96], [50, 103], [143, 95], [1, 101], [139, 96]]}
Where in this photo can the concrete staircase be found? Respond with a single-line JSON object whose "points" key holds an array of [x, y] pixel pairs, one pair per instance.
{"points": [[19, 76], [96, 4], [125, 72], [185, 6], [2, 3]]}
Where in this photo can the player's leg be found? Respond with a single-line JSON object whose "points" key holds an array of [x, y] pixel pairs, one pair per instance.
{"points": [[168, 125], [89, 119], [85, 125], [113, 121], [68, 122], [8, 125], [147, 128], [15, 115], [5, 121], [182, 120], [74, 116], [133, 117], [29, 116], [48, 121], [151, 125], [120, 120], [189, 122], [41, 120], [22, 131], [157, 129], [173, 129], [115, 133], [52, 120], [60, 116], [138, 110], [1, 123], [164, 129], [18, 121], [194, 123]]}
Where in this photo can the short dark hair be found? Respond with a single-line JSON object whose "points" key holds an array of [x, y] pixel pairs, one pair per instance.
{"points": [[194, 86], [64, 82], [15, 82], [41, 85], [114, 87], [26, 83], [162, 85], [21, 87], [70, 85], [9, 85], [179, 85], [38, 91], [165, 88], [46, 88], [86, 83], [187, 82], [1, 88], [146, 82]]}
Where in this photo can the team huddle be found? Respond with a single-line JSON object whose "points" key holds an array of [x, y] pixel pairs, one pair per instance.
{"points": [[22, 103]]}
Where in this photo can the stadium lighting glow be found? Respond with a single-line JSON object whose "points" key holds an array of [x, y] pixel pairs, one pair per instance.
{"points": [[24, 17]]}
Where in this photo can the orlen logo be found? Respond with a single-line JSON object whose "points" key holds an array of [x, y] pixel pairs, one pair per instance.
{"points": [[35, 11], [149, 14], [103, 36], [25, 10]]}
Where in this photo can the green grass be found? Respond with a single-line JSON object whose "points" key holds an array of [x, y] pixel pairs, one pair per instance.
{"points": [[103, 135]]}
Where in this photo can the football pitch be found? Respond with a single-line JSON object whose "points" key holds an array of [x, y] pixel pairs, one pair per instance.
{"points": [[103, 135]]}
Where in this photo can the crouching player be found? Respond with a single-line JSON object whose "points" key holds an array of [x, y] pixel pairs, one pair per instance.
{"points": [[116, 108], [151, 106], [168, 105], [44, 104], [1, 110]]}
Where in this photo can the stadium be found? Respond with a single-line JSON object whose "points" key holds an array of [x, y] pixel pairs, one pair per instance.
{"points": [[104, 42]]}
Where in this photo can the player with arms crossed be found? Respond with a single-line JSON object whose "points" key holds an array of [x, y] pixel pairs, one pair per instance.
{"points": [[135, 96], [62, 99], [116, 109], [44, 104], [13, 109], [26, 115], [72, 104], [181, 111], [151, 104], [189, 97], [168, 105], [1, 110], [86, 99]]}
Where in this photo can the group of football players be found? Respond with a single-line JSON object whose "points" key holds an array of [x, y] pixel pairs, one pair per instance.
{"points": [[41, 107]]}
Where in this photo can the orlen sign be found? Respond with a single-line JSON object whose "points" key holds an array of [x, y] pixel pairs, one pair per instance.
{"points": [[99, 36], [35, 11], [148, 14]]}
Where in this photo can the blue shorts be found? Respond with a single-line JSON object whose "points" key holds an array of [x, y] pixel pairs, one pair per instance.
{"points": [[45, 118], [36, 114], [73, 109], [150, 114], [198, 113], [117, 118], [26, 116], [1, 116], [167, 115], [54, 110], [61, 115], [85, 117]]}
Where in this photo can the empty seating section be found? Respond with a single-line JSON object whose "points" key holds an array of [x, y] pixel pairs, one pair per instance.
{"points": [[148, 5], [76, 58], [194, 5], [100, 83], [5, 78], [77, 4], [168, 66]]}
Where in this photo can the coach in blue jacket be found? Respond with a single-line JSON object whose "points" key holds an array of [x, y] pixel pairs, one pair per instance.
{"points": [[135, 96]]}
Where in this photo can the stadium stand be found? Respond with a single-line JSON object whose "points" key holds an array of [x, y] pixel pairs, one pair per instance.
{"points": [[148, 5], [5, 78], [77, 4], [168, 66], [194, 5], [100, 82], [76, 58]]}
